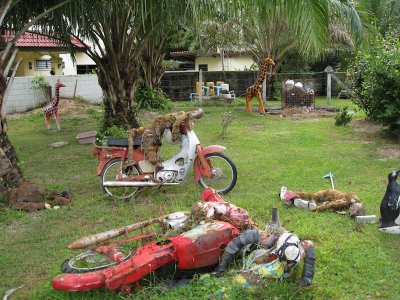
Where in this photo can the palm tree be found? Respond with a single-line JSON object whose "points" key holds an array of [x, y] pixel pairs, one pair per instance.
{"points": [[273, 28], [386, 13], [124, 35], [18, 16]]}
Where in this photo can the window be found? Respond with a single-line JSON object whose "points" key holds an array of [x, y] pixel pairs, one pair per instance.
{"points": [[203, 67], [85, 69], [43, 64], [30, 65]]}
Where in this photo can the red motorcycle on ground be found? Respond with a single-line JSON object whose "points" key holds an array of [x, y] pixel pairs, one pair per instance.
{"points": [[116, 265], [121, 179]]}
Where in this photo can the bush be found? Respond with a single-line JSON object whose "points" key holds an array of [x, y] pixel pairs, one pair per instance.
{"points": [[277, 90], [343, 118], [40, 83], [113, 131], [376, 81], [147, 98]]}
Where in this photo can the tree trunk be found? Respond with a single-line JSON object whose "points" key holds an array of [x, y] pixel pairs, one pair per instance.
{"points": [[151, 61], [118, 84], [222, 54], [10, 173], [153, 71]]}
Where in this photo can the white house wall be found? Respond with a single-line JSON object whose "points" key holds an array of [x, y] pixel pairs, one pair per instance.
{"points": [[235, 63], [22, 97], [70, 66]]}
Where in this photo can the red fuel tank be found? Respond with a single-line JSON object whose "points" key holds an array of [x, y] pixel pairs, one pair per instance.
{"points": [[203, 245]]}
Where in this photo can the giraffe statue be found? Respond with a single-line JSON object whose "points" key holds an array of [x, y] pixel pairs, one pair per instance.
{"points": [[52, 108], [256, 89]]}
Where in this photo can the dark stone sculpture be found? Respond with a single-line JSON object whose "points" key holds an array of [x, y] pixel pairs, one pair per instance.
{"points": [[390, 205]]}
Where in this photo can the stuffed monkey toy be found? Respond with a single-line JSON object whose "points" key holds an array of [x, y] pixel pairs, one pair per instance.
{"points": [[152, 134], [323, 200]]}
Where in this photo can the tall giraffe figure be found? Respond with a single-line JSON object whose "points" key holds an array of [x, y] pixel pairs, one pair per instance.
{"points": [[52, 109], [256, 89]]}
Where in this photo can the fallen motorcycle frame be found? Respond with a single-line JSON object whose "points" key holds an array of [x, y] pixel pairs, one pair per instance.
{"points": [[194, 249]]}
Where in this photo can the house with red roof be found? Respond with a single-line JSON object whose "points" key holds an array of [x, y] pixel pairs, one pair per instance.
{"points": [[43, 55]]}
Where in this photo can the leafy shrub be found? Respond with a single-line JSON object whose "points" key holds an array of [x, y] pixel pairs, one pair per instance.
{"points": [[171, 64], [40, 83], [277, 91], [343, 118], [113, 131], [147, 98], [376, 81], [225, 120]]}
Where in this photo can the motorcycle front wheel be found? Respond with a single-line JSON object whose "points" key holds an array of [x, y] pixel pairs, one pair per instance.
{"points": [[89, 261], [110, 173], [224, 173]]}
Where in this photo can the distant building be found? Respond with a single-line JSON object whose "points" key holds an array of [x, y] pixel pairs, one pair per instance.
{"points": [[233, 61], [47, 56]]}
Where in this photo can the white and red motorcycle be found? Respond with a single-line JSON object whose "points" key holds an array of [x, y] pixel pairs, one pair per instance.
{"points": [[121, 179]]}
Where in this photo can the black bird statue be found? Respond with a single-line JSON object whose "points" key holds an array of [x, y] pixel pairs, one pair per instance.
{"points": [[390, 205]]}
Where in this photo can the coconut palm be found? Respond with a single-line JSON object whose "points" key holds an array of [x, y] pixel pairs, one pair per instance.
{"points": [[272, 30], [386, 12], [120, 37]]}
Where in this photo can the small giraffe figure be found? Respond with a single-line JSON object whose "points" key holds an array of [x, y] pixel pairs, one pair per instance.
{"points": [[256, 89], [52, 108]]}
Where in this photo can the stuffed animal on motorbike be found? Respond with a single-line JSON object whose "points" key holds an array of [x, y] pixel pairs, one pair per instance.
{"points": [[390, 205], [323, 200], [153, 133]]}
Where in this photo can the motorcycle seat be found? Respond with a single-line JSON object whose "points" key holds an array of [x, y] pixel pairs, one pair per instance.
{"points": [[123, 142]]}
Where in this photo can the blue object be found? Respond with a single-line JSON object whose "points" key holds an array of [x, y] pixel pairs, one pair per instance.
{"points": [[330, 176], [206, 90], [217, 90], [191, 96]]}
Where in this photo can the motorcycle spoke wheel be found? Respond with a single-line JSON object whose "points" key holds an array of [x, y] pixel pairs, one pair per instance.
{"points": [[110, 173], [224, 173], [89, 261]]}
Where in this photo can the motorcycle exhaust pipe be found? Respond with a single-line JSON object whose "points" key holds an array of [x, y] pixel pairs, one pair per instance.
{"points": [[135, 183]]}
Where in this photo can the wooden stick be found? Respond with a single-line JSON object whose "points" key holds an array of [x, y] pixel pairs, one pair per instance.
{"points": [[76, 82], [104, 236]]}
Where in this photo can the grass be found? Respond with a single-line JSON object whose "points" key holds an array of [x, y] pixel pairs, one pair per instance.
{"points": [[353, 261]]}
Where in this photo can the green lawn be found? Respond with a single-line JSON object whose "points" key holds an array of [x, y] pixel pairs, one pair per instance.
{"points": [[353, 262]]}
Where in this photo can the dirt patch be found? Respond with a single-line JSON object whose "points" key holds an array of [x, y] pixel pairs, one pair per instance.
{"points": [[390, 151], [371, 131], [299, 113], [257, 127], [73, 108], [66, 106], [365, 126]]}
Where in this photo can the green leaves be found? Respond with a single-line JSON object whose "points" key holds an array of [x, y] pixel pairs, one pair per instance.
{"points": [[377, 82]]}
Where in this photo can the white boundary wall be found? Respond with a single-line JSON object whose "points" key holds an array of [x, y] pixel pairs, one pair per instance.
{"points": [[23, 98]]}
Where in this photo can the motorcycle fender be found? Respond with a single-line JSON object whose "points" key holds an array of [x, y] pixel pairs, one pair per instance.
{"points": [[106, 155], [206, 150], [78, 282]]}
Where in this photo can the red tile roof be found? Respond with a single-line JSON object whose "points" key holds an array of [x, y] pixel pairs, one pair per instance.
{"points": [[33, 40]]}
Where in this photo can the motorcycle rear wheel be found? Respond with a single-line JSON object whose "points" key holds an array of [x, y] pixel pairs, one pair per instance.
{"points": [[224, 173], [110, 173]]}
